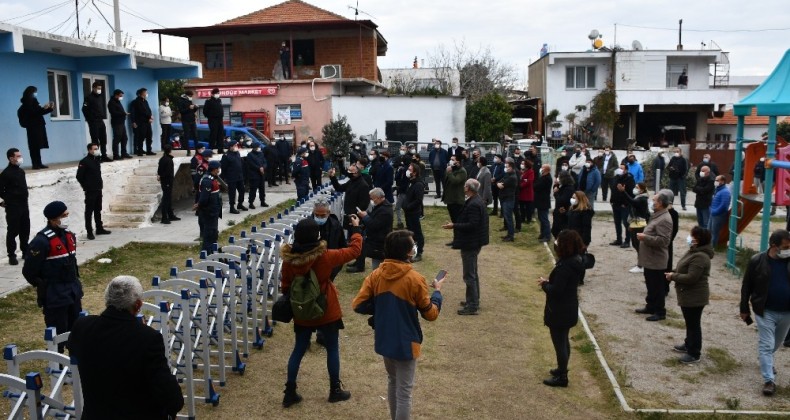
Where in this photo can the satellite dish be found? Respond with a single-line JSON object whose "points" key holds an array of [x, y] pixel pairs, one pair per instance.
{"points": [[593, 34], [598, 43], [637, 46]]}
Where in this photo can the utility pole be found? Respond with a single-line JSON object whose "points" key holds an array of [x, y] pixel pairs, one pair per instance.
{"points": [[116, 8], [680, 35]]}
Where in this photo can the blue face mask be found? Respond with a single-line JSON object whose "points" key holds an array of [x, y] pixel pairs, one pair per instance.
{"points": [[35, 94], [320, 220]]}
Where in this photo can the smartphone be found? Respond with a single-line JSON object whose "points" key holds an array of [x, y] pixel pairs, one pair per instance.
{"points": [[440, 275], [358, 210]]}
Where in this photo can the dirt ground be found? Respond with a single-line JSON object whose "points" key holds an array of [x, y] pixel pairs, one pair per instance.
{"points": [[640, 352]]}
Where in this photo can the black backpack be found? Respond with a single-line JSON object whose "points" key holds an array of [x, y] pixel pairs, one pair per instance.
{"points": [[21, 115]]}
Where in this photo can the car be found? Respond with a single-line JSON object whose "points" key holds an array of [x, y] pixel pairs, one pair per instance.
{"points": [[243, 134]]}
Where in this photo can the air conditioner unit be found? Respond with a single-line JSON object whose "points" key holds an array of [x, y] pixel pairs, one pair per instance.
{"points": [[331, 71]]}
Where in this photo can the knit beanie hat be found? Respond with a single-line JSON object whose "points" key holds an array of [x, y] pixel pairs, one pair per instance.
{"points": [[307, 234]]}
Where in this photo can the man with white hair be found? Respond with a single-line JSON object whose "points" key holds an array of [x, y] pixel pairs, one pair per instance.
{"points": [[378, 224], [123, 369], [654, 254]]}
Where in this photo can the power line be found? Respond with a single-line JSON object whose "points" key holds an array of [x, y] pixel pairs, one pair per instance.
{"points": [[134, 13], [706, 30], [37, 13]]}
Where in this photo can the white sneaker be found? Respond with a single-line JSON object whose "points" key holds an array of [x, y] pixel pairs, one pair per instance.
{"points": [[636, 269]]}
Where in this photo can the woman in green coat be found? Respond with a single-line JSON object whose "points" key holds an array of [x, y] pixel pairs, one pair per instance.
{"points": [[691, 286]]}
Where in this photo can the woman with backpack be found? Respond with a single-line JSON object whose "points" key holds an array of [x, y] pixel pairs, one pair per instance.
{"points": [[306, 259]]}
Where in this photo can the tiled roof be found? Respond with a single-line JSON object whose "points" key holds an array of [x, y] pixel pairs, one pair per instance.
{"points": [[730, 119], [291, 11]]}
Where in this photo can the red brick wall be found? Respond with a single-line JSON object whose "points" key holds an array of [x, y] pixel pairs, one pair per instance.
{"points": [[257, 58]]}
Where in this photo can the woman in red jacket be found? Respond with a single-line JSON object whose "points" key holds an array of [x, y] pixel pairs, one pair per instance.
{"points": [[309, 252], [526, 193]]}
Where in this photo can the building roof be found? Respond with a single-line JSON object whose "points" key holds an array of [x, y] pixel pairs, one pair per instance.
{"points": [[291, 11], [729, 118]]}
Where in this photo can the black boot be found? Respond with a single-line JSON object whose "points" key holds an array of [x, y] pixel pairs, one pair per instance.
{"points": [[291, 397], [560, 379], [337, 394]]}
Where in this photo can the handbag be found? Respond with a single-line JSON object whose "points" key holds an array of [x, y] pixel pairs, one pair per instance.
{"points": [[637, 223], [588, 260], [281, 310]]}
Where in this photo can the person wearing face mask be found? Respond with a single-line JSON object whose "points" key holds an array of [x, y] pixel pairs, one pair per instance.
{"points": [[678, 169], [759, 175], [766, 291], [89, 177], [607, 165], [284, 152], [394, 295], [526, 192], [654, 254], [118, 116], [455, 149], [31, 117], [316, 160], [497, 172], [13, 191], [719, 209], [484, 178], [214, 112], [51, 267], [454, 181], [300, 171], [209, 206], [356, 192], [141, 123], [576, 161], [378, 224], [165, 121], [691, 286], [255, 164], [563, 191], [97, 341], [187, 110], [165, 174], [507, 195], [543, 189], [588, 181], [438, 159], [412, 208], [233, 175], [635, 168], [562, 162], [637, 220], [622, 190], [95, 112], [714, 170], [580, 216], [704, 189]]}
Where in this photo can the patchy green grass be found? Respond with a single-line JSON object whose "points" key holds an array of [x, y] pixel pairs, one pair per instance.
{"points": [[723, 362]]}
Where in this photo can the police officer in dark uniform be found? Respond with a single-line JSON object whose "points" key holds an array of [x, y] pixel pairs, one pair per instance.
{"points": [[272, 164], [118, 123], [13, 191], [165, 174], [209, 206], [141, 122], [89, 177], [194, 164], [256, 171], [51, 267], [187, 110], [95, 112], [284, 151], [233, 175], [213, 111], [301, 173]]}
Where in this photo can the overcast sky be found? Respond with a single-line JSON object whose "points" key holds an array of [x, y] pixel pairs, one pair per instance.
{"points": [[514, 29]]}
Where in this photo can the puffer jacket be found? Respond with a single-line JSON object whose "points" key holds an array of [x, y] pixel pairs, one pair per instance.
{"points": [[322, 261], [562, 300], [394, 293], [691, 277]]}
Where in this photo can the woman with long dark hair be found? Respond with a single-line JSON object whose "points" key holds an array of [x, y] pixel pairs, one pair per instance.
{"points": [[562, 302], [31, 117]]}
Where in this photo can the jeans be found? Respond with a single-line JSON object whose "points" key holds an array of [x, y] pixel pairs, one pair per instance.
{"points": [[656, 291], [715, 225], [605, 186], [703, 217], [591, 198], [562, 347], [413, 224], [471, 278], [400, 381], [507, 213], [621, 220], [679, 186], [772, 328], [545, 226], [693, 318], [399, 207], [375, 263], [302, 343]]}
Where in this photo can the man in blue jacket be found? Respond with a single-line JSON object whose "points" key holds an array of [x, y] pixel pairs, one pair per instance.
{"points": [[635, 168], [719, 208], [233, 175], [589, 180], [438, 159]]}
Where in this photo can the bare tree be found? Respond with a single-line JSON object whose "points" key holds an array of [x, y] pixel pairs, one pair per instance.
{"points": [[481, 72]]}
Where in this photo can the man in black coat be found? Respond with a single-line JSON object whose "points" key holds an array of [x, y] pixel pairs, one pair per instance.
{"points": [[284, 152], [233, 175], [165, 174], [542, 188], [213, 111], [256, 171], [89, 177], [31, 117], [412, 207], [117, 345], [356, 198], [141, 123], [187, 110], [95, 113], [621, 205], [378, 224], [470, 234], [118, 123], [316, 161], [704, 189], [13, 191], [678, 169]]}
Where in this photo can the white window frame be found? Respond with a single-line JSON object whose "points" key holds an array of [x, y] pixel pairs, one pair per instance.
{"points": [[586, 78], [54, 97], [278, 109], [673, 72]]}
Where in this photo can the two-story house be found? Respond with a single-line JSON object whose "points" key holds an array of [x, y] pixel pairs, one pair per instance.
{"points": [[648, 97], [333, 70]]}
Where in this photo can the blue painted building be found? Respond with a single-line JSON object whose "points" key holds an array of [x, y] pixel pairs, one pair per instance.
{"points": [[63, 70]]}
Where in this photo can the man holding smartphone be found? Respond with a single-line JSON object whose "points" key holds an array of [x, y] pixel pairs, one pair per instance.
{"points": [[356, 197], [470, 234]]}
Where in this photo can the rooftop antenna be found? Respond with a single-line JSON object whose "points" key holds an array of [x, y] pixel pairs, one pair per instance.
{"points": [[357, 11]]}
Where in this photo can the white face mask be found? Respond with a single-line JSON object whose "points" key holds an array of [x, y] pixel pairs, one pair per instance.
{"points": [[706, 160], [652, 206], [716, 184], [98, 91], [618, 172], [636, 191], [356, 147], [96, 152], [35, 94], [216, 95], [588, 165], [783, 253], [455, 144], [120, 98], [703, 174], [677, 154], [408, 173], [412, 151], [574, 201], [413, 252], [63, 224], [20, 161], [690, 241], [523, 167], [312, 148], [372, 157], [402, 152], [564, 168], [189, 97]]}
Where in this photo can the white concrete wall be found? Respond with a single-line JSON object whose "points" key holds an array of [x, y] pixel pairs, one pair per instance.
{"points": [[565, 100], [442, 117]]}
